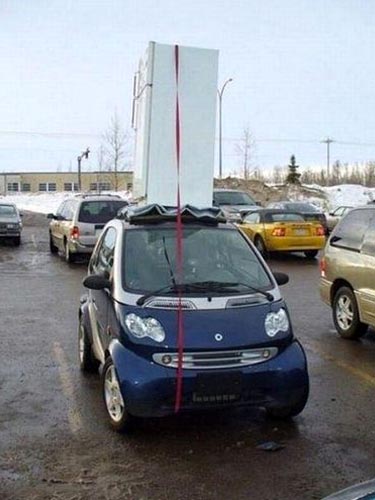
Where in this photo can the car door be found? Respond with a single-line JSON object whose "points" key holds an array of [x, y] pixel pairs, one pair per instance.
{"points": [[100, 301], [367, 285], [55, 226]]}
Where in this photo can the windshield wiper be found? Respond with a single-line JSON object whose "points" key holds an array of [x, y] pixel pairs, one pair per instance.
{"points": [[202, 286], [198, 286], [220, 285]]}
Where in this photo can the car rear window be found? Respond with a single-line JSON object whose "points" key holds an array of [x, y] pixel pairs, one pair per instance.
{"points": [[284, 218], [100, 211], [350, 231]]}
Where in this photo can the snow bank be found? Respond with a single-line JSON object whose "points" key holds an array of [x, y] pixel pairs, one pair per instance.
{"points": [[45, 203]]}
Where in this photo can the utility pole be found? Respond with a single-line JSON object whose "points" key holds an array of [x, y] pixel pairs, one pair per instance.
{"points": [[220, 94], [328, 141], [85, 154]]}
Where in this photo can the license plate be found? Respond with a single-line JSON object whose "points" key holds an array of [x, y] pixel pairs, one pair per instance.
{"points": [[221, 388], [301, 232]]}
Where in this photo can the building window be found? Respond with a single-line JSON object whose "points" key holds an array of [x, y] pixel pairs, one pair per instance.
{"points": [[70, 186], [47, 186], [104, 186], [26, 187], [93, 186], [129, 186], [13, 186]]}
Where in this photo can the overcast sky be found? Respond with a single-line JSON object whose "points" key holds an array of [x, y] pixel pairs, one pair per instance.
{"points": [[302, 70]]}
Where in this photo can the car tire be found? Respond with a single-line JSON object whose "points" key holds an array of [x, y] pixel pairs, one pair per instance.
{"points": [[17, 241], [287, 412], [114, 402], [311, 254], [346, 315], [260, 246], [87, 361], [69, 257], [53, 248]]}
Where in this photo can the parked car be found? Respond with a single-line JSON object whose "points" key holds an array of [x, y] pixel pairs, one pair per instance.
{"points": [[335, 215], [78, 222], [273, 230], [10, 223], [234, 203], [309, 211], [347, 282], [239, 346]]}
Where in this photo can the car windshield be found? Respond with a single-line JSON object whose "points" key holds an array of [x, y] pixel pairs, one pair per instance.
{"points": [[7, 210], [100, 211], [209, 255], [301, 207], [283, 217], [233, 198]]}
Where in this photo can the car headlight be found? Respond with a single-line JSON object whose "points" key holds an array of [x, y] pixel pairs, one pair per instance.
{"points": [[276, 322], [145, 327]]}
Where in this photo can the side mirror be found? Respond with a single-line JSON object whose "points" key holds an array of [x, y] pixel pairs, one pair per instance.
{"points": [[51, 216], [281, 278], [331, 213], [96, 282], [21, 215], [258, 204]]}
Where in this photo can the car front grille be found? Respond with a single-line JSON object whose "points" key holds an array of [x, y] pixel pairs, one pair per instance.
{"points": [[210, 360]]}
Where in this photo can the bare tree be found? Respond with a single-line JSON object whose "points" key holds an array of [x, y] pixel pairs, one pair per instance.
{"points": [[245, 149], [115, 142]]}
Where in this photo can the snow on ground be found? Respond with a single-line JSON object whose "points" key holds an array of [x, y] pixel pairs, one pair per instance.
{"points": [[45, 203], [329, 197]]}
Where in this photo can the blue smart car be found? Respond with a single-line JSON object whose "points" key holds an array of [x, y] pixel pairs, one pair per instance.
{"points": [[238, 343]]}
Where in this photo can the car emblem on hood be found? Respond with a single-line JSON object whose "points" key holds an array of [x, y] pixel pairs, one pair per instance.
{"points": [[218, 337]]}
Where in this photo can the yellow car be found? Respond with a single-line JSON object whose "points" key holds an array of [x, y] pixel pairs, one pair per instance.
{"points": [[274, 230]]}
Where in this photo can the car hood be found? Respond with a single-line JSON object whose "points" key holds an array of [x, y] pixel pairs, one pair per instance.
{"points": [[9, 219], [238, 208], [239, 327]]}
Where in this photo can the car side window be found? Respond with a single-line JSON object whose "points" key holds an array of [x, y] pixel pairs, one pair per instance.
{"points": [[368, 245], [60, 210], [349, 233], [103, 260], [67, 212], [252, 218]]}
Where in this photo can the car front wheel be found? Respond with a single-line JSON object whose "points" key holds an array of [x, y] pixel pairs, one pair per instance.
{"points": [[87, 361], [119, 418], [52, 247], [346, 315]]}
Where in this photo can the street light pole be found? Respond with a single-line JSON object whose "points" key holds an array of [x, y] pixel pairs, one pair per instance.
{"points": [[85, 154], [220, 94], [328, 141]]}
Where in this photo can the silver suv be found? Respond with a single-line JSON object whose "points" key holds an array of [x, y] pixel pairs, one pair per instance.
{"points": [[78, 222], [10, 223]]}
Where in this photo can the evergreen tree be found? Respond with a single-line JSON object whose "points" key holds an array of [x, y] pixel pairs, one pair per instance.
{"points": [[293, 175]]}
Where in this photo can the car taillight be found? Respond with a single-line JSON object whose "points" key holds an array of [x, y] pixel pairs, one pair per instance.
{"points": [[322, 265], [278, 231], [320, 231], [74, 233]]}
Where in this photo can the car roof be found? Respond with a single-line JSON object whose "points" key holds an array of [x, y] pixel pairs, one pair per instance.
{"points": [[8, 203], [97, 197]]}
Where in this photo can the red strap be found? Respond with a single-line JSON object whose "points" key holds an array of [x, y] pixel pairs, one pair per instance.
{"points": [[179, 253]]}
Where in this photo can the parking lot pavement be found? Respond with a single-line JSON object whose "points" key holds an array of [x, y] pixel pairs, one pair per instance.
{"points": [[55, 443]]}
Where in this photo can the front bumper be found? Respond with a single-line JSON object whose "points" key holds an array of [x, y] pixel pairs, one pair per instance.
{"points": [[149, 389]]}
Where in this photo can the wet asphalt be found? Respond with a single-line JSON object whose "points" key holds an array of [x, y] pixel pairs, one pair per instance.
{"points": [[55, 442]]}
